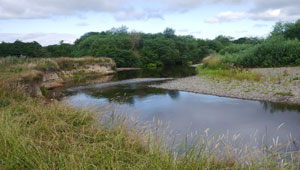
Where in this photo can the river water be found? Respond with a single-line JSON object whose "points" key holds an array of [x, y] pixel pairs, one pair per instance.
{"points": [[128, 93]]}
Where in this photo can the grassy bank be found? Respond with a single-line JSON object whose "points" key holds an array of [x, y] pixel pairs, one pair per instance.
{"points": [[30, 69], [214, 68], [35, 134], [38, 135]]}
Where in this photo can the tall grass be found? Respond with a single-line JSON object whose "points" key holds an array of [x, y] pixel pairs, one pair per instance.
{"points": [[39, 135], [213, 67]]}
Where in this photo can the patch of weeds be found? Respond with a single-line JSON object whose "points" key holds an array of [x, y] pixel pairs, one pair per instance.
{"points": [[284, 94], [16, 70], [32, 76], [296, 78], [247, 91], [285, 73], [236, 74], [82, 74], [4, 103], [44, 91], [107, 60], [47, 65], [279, 80], [18, 110]]}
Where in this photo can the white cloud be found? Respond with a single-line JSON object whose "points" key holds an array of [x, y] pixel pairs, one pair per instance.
{"points": [[28, 9], [45, 8], [185, 5], [42, 38], [132, 14], [270, 14], [144, 9], [227, 16]]}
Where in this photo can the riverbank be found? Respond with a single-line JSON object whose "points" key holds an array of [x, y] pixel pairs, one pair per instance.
{"points": [[35, 76], [275, 85], [39, 134]]}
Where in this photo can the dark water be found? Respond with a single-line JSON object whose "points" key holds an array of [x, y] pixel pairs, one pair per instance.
{"points": [[186, 112]]}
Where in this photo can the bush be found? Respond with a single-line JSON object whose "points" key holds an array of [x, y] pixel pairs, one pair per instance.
{"points": [[235, 48], [189, 63], [297, 62], [151, 66], [273, 52]]}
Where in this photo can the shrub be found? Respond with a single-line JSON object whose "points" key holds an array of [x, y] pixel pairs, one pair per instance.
{"points": [[234, 48], [151, 66], [273, 52], [297, 62], [189, 63]]}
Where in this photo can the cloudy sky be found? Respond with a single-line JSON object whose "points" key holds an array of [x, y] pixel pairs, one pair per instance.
{"points": [[49, 21]]}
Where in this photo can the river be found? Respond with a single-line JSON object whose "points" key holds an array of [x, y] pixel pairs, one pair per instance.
{"points": [[128, 93]]}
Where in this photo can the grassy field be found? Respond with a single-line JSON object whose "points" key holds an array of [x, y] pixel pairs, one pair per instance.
{"points": [[35, 134]]}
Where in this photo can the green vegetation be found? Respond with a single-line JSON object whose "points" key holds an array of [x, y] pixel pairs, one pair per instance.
{"points": [[280, 48], [127, 49], [137, 49], [21, 49], [284, 94], [231, 74], [44, 91], [41, 134], [214, 68]]}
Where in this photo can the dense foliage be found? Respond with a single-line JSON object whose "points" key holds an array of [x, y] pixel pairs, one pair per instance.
{"points": [[128, 49], [280, 48], [61, 50], [136, 49], [140, 49], [18, 48]]}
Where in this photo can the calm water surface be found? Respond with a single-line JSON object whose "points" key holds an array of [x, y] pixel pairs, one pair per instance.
{"points": [[128, 92]]}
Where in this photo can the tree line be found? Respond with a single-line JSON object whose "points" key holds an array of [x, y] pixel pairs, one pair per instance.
{"points": [[137, 49]]}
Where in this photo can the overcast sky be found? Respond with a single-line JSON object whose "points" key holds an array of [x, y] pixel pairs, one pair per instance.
{"points": [[49, 21]]}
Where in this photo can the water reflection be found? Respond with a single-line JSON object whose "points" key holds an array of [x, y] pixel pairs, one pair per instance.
{"points": [[279, 107], [128, 94], [174, 72]]}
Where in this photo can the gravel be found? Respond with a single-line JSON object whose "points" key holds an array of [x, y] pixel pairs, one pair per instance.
{"points": [[277, 85]]}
